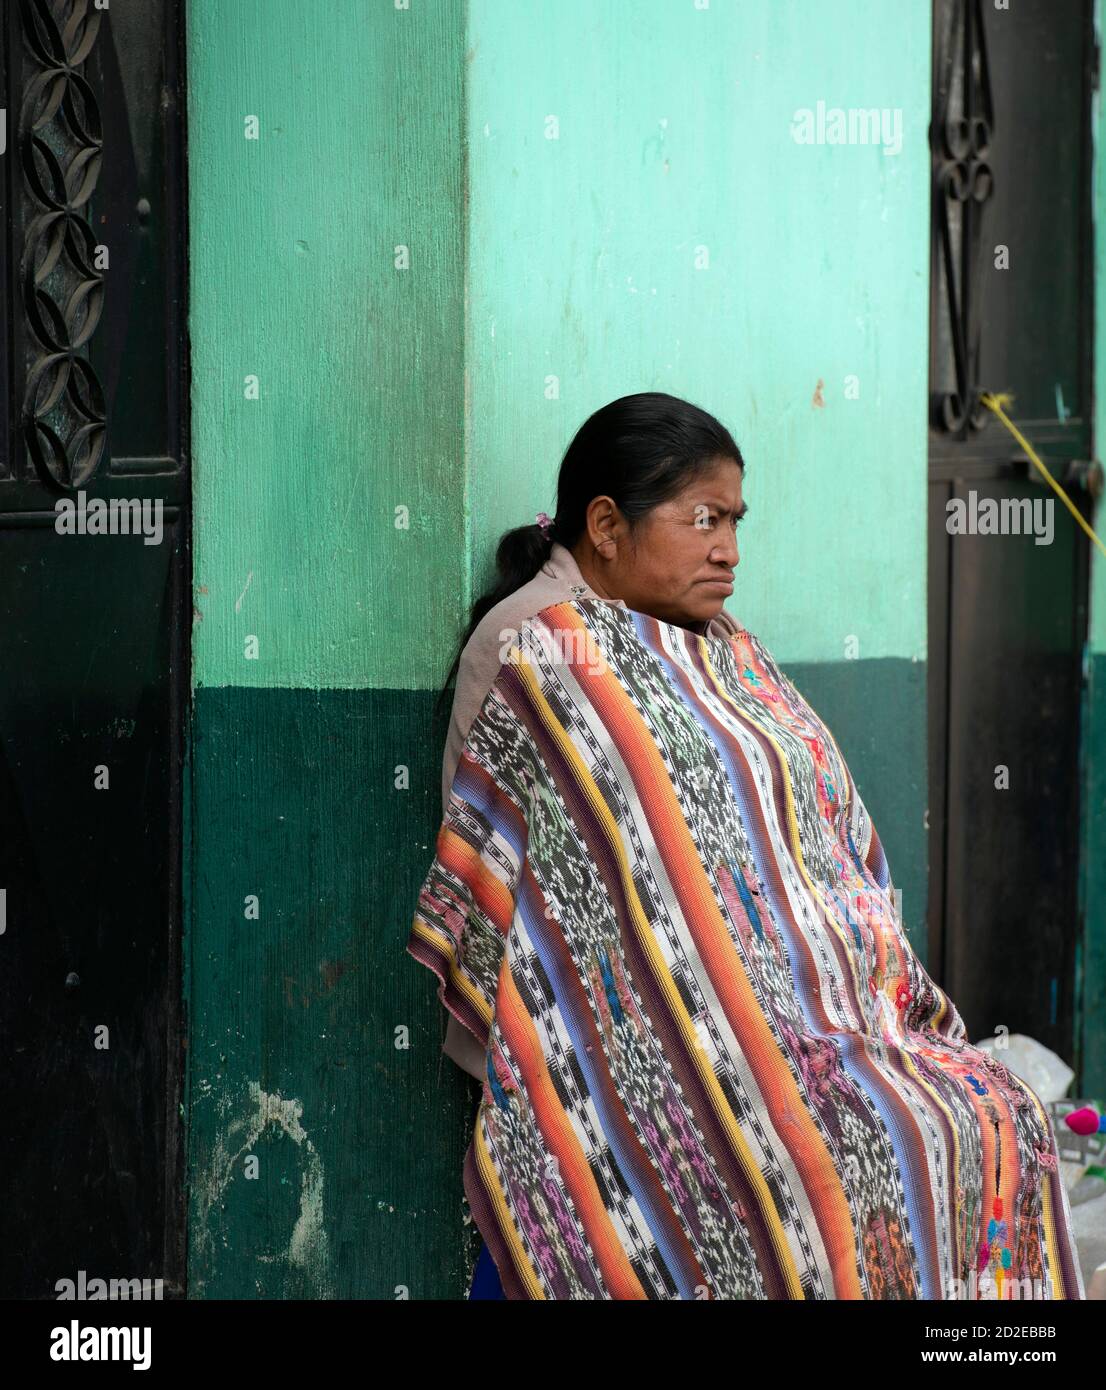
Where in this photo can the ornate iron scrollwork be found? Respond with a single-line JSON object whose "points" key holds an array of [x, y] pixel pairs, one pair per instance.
{"points": [[960, 138], [60, 140]]}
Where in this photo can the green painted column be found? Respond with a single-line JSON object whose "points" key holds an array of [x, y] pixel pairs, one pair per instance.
{"points": [[330, 561]]}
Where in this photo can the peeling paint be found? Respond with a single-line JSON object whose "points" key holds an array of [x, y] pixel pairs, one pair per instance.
{"points": [[242, 595], [308, 1244]]}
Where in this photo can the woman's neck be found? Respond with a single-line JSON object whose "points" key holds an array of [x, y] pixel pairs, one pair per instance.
{"points": [[593, 581]]}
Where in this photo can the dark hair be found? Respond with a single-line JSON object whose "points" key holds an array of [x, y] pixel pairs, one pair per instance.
{"points": [[639, 450]]}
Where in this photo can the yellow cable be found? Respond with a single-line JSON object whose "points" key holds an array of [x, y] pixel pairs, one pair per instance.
{"points": [[995, 401]]}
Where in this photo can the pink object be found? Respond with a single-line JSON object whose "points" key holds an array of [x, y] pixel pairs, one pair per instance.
{"points": [[1084, 1121]]}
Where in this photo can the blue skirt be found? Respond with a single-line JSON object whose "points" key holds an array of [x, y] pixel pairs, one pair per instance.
{"points": [[485, 1277]]}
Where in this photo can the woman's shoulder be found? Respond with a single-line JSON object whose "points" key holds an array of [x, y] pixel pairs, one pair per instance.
{"points": [[493, 637], [483, 656], [497, 631]]}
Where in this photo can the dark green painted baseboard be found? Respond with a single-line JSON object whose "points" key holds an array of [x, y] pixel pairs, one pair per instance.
{"points": [[294, 1017], [1091, 955], [876, 711]]}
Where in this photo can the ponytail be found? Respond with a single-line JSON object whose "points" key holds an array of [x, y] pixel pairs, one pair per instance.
{"points": [[518, 557]]}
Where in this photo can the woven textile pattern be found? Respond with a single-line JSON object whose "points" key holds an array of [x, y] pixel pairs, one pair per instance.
{"points": [[715, 1066]]}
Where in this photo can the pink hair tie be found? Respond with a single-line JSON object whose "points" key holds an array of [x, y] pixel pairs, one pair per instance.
{"points": [[545, 522]]}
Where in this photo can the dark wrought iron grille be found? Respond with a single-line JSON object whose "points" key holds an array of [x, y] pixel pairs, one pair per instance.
{"points": [[960, 141], [60, 146]]}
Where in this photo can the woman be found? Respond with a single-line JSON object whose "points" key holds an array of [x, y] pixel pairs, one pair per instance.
{"points": [[711, 1063]]}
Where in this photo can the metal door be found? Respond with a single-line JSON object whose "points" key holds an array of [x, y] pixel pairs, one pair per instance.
{"points": [[1011, 297], [94, 639]]}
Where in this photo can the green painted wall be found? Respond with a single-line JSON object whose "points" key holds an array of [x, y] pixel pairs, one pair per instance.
{"points": [[583, 269], [1092, 963], [1098, 562], [360, 412], [294, 241], [546, 277]]}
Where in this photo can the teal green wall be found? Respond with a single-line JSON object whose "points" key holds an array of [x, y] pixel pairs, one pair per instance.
{"points": [[675, 134], [1098, 561], [532, 261], [293, 279]]}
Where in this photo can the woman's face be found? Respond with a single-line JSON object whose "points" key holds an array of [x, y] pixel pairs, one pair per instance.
{"points": [[679, 564]]}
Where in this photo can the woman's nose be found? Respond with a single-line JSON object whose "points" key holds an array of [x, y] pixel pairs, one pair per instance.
{"points": [[726, 552]]}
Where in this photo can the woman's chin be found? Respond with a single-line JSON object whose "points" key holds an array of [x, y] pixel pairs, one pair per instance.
{"points": [[709, 601]]}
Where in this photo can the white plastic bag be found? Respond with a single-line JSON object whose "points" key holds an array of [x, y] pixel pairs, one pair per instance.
{"points": [[1040, 1067]]}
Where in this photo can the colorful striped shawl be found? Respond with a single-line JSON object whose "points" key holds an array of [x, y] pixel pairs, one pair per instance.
{"points": [[715, 1066]]}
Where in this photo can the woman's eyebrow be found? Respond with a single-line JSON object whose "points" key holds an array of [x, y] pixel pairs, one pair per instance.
{"points": [[716, 506]]}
